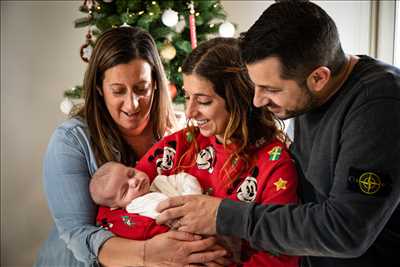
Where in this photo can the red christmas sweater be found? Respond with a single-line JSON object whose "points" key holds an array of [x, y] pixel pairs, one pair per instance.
{"points": [[269, 178]]}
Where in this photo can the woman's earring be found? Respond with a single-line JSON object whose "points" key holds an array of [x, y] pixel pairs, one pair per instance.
{"points": [[99, 90], [189, 137]]}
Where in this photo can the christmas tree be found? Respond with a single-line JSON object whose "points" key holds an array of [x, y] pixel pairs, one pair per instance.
{"points": [[176, 27]]}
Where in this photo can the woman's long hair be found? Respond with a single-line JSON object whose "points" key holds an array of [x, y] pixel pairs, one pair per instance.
{"points": [[120, 46], [218, 61]]}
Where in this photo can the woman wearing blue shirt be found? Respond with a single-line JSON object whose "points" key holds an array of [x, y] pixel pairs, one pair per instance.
{"points": [[127, 109]]}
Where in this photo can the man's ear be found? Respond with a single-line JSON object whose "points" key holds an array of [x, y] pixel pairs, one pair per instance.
{"points": [[318, 78], [99, 90]]}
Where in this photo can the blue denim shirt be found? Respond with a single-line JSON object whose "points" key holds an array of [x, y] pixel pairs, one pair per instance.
{"points": [[68, 165]]}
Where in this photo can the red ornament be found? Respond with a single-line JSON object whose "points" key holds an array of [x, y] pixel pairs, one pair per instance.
{"points": [[172, 90], [192, 26]]}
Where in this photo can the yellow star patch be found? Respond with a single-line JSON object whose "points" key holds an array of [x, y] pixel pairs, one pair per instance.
{"points": [[280, 184]]}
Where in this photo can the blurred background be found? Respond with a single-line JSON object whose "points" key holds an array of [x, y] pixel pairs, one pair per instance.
{"points": [[40, 60]]}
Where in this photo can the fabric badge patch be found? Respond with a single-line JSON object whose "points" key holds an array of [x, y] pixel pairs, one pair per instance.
{"points": [[371, 183], [275, 153]]}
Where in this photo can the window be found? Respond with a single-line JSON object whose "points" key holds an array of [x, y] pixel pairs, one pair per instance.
{"points": [[397, 35]]}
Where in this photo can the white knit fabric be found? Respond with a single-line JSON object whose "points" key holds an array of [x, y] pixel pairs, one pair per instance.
{"points": [[163, 187]]}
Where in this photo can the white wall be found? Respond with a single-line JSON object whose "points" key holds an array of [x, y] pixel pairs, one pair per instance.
{"points": [[244, 13], [352, 19], [39, 60]]}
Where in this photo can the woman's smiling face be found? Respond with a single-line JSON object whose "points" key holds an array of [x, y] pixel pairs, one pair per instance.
{"points": [[205, 107], [128, 94]]}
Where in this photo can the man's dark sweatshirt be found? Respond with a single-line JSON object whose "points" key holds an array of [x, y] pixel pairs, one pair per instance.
{"points": [[348, 154]]}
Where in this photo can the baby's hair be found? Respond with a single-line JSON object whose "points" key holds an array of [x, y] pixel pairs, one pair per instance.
{"points": [[99, 182]]}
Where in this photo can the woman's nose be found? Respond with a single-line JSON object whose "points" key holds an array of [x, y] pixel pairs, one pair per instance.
{"points": [[190, 109], [132, 101]]}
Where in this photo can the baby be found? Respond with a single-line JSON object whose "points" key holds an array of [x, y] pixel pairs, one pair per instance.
{"points": [[117, 186]]}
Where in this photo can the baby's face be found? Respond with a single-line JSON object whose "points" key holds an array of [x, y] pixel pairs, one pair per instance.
{"points": [[128, 184]]}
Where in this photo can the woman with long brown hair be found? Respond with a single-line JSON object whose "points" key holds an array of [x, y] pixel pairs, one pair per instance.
{"points": [[127, 109], [234, 149]]}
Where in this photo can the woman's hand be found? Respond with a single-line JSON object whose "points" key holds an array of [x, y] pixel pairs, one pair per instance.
{"points": [[221, 261], [180, 249]]}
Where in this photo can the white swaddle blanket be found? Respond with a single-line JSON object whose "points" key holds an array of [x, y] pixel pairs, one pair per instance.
{"points": [[162, 188]]}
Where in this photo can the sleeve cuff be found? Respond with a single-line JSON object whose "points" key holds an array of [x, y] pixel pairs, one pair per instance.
{"points": [[232, 218], [98, 240]]}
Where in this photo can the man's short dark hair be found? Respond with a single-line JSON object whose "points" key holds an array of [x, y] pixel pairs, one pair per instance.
{"points": [[300, 34]]}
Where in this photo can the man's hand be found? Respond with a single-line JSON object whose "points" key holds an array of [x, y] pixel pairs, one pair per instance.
{"points": [[195, 213], [180, 249]]}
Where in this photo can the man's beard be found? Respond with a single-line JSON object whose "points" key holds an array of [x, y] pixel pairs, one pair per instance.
{"points": [[310, 102]]}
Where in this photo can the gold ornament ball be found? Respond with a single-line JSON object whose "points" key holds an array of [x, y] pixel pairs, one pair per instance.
{"points": [[168, 52]]}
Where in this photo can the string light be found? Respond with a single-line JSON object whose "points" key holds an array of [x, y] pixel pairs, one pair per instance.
{"points": [[129, 14], [141, 12], [180, 69], [212, 25], [153, 3], [197, 14]]}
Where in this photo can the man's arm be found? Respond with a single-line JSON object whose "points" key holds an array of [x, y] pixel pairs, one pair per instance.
{"points": [[349, 221], [345, 225]]}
